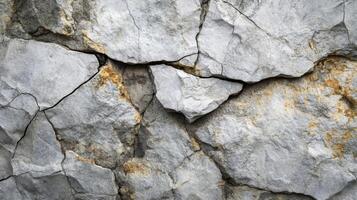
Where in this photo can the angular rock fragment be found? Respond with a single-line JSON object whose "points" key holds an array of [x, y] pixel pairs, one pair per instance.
{"points": [[87, 178], [253, 40], [188, 94], [97, 120], [38, 152], [129, 31], [47, 71], [289, 136]]}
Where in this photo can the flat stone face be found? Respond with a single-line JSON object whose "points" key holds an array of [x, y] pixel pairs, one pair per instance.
{"points": [[188, 94], [253, 40], [47, 71], [129, 31], [88, 178], [296, 136], [97, 119], [38, 152]]}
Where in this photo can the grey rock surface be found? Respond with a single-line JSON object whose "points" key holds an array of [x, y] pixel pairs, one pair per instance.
{"points": [[294, 136], [192, 96], [144, 100], [253, 40], [47, 71], [38, 152], [87, 178], [248, 193], [129, 31], [97, 120]]}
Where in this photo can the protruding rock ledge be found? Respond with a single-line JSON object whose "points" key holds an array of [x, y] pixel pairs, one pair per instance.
{"points": [[188, 94]]}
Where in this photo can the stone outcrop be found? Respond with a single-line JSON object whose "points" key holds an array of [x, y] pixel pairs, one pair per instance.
{"points": [[179, 100]]}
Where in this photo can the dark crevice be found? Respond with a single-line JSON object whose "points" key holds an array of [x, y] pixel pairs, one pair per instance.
{"points": [[27, 126], [73, 91], [204, 11]]}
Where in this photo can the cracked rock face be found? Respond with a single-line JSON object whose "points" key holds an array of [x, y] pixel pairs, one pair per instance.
{"points": [[192, 96], [47, 71], [129, 31], [296, 136], [165, 100], [255, 40]]}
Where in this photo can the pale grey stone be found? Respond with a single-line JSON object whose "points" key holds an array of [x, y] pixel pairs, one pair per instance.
{"points": [[198, 178], [164, 139], [192, 96], [54, 187], [289, 136], [248, 193], [47, 71], [253, 40], [349, 193], [9, 190], [38, 152], [86, 177], [15, 116], [97, 119], [5, 165], [129, 31]]}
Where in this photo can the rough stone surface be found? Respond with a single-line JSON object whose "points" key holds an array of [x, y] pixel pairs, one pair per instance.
{"points": [[254, 40], [247, 193], [97, 120], [38, 152], [88, 178], [296, 136], [188, 94], [47, 71], [129, 31], [144, 100]]}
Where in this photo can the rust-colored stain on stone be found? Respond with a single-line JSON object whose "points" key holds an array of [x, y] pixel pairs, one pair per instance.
{"points": [[109, 74], [134, 167]]}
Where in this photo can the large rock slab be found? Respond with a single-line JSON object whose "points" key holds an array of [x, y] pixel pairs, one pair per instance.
{"points": [[190, 95], [38, 152], [253, 40], [87, 178], [289, 136], [47, 71], [129, 31], [97, 120]]}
